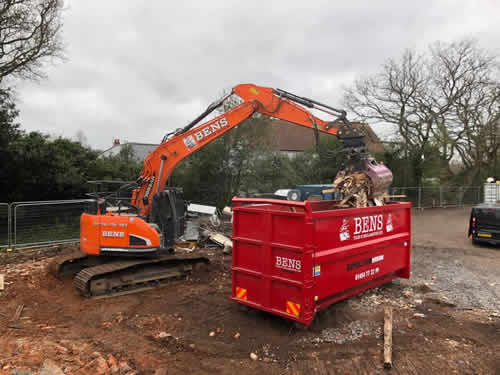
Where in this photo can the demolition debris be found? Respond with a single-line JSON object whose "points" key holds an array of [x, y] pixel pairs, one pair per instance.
{"points": [[357, 190]]}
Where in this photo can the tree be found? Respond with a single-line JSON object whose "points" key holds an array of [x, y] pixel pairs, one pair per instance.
{"points": [[431, 99], [38, 167], [81, 138], [272, 171], [391, 97], [9, 133], [43, 168], [121, 167], [47, 168], [29, 35], [9, 128], [464, 88], [227, 166]]}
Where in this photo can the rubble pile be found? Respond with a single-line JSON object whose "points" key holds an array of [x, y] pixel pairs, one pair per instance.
{"points": [[23, 272], [31, 356], [357, 189], [364, 186], [28, 343], [201, 234]]}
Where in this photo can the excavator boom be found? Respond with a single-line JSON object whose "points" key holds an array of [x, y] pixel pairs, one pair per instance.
{"points": [[159, 165]]}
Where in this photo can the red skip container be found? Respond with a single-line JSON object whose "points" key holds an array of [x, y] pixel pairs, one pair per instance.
{"points": [[295, 258]]}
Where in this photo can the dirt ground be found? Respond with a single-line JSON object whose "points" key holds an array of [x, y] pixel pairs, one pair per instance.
{"points": [[446, 319]]}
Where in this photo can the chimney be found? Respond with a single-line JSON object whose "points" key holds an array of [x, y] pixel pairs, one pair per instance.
{"points": [[116, 142]]}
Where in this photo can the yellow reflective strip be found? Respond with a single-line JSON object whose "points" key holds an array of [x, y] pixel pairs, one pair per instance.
{"points": [[241, 293], [297, 308], [291, 306]]}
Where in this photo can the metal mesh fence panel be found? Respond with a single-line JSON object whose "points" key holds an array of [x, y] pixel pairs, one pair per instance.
{"points": [[450, 196], [4, 225], [31, 224], [44, 223], [406, 194], [442, 196], [431, 197], [472, 195]]}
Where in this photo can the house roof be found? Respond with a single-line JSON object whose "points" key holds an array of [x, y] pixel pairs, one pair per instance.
{"points": [[290, 137], [141, 150], [285, 136], [372, 141]]}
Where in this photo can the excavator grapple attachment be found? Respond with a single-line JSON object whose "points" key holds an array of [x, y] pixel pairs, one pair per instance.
{"points": [[380, 176]]}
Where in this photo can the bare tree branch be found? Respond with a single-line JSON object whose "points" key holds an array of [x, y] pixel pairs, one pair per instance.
{"points": [[446, 99], [29, 36]]}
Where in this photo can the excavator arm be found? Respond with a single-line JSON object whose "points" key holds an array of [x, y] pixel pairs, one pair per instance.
{"points": [[159, 165]]}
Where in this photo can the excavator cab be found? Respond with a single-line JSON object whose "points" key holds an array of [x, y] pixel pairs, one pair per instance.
{"points": [[113, 226]]}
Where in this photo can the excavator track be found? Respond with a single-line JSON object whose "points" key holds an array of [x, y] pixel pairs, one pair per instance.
{"points": [[68, 265], [132, 276], [102, 277]]}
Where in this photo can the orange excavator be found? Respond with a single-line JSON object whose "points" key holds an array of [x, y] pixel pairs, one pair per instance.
{"points": [[125, 244]]}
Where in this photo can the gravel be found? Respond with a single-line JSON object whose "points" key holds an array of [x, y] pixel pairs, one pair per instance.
{"points": [[466, 280], [445, 260], [350, 332]]}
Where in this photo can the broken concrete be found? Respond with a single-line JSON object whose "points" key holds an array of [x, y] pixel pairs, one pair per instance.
{"points": [[222, 241], [49, 367]]}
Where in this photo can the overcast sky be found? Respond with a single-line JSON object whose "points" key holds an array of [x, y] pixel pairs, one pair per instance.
{"points": [[138, 69]]}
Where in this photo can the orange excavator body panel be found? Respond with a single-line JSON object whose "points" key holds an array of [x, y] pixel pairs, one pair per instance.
{"points": [[111, 234]]}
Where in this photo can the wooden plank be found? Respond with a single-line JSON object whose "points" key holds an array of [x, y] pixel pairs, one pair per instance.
{"points": [[388, 337], [18, 313], [15, 318]]}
